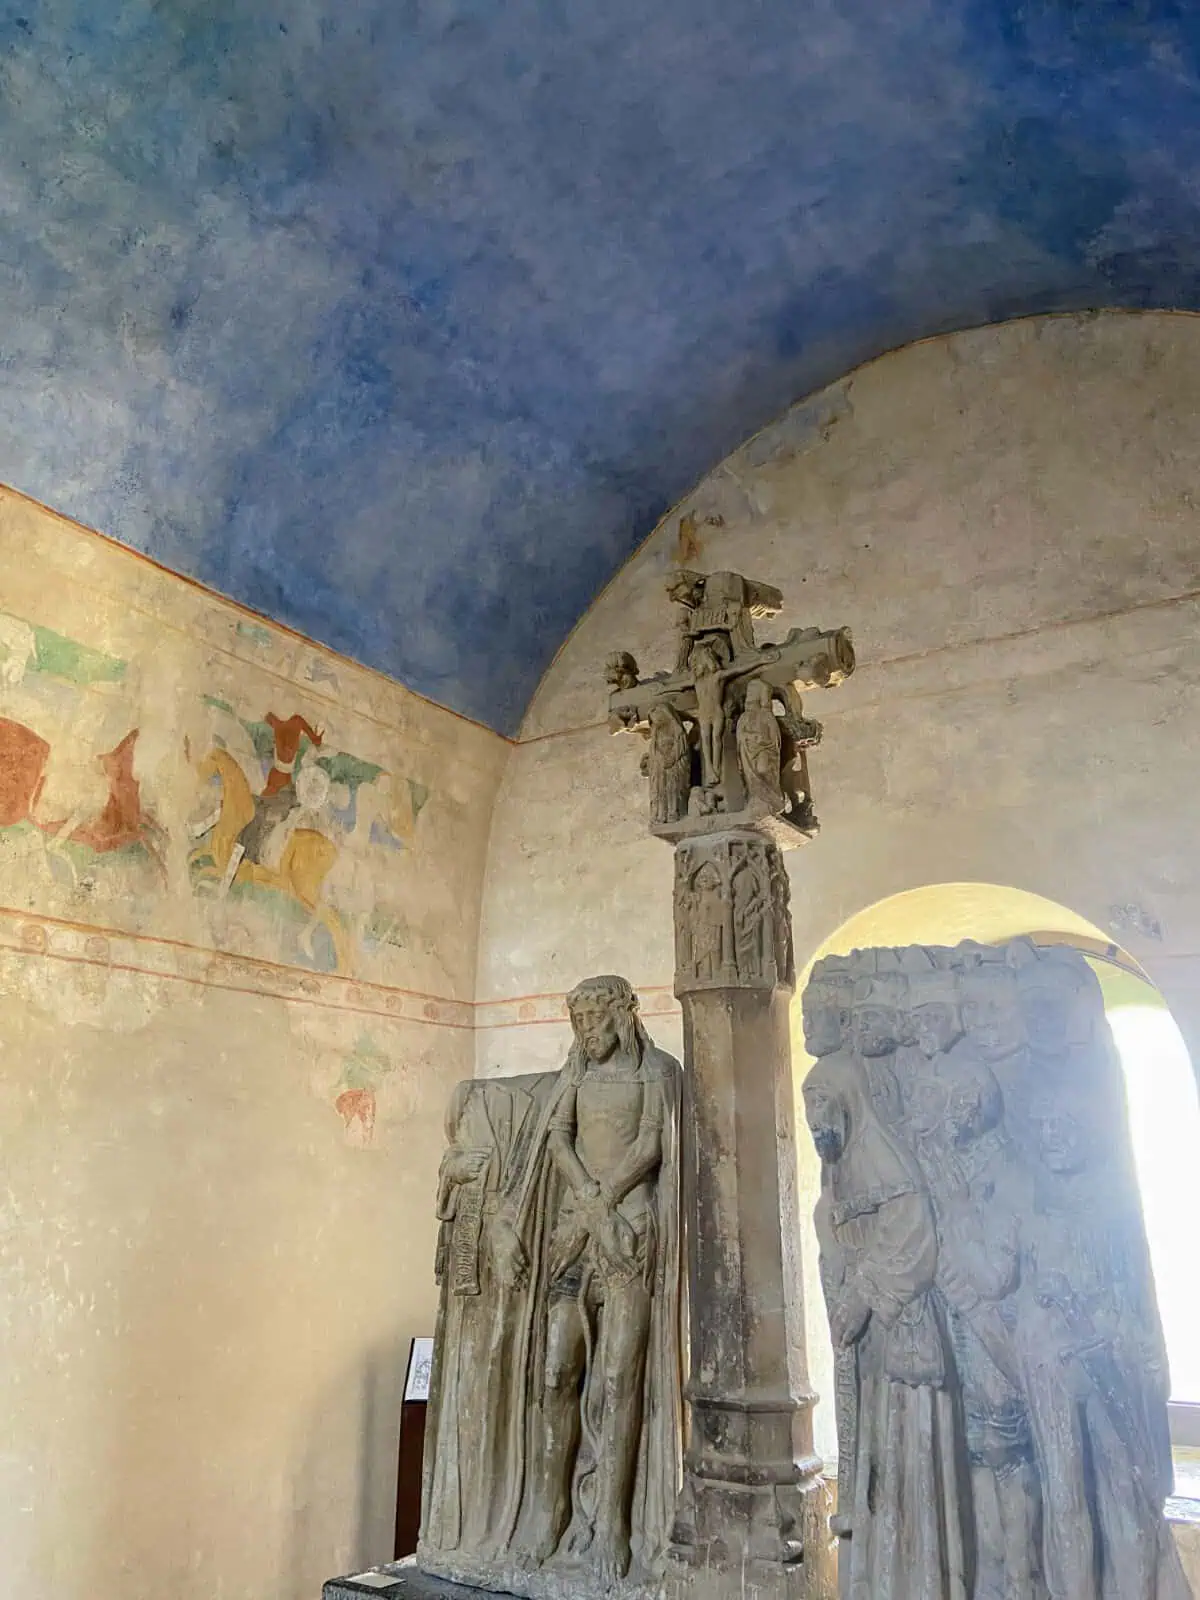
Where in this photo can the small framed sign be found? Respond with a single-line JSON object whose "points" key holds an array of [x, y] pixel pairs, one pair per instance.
{"points": [[420, 1366]]}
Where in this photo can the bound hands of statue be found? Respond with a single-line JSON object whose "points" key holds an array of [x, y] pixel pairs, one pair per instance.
{"points": [[847, 1319], [610, 1229], [512, 1264]]}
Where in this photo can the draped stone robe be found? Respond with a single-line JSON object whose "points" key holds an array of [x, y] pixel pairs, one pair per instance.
{"points": [[907, 1518], [472, 1400]]}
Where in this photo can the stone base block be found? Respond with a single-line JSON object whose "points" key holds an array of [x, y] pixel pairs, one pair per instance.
{"points": [[703, 1580], [402, 1580], [758, 1580], [768, 1540], [556, 1581]]}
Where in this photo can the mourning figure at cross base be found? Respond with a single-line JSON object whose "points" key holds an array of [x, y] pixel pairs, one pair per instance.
{"points": [[668, 764], [759, 745], [573, 1386], [1001, 1375]]}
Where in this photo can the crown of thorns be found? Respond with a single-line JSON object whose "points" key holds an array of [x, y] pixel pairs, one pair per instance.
{"points": [[618, 991]]}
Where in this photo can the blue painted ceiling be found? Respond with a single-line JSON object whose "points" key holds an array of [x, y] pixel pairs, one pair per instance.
{"points": [[403, 320]]}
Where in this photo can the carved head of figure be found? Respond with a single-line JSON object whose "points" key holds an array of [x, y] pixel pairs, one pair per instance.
{"points": [[990, 1011], [706, 659], [666, 726], [974, 1104], [604, 1018], [877, 1024], [926, 1102], [936, 1015], [825, 1008], [1060, 1136], [758, 695], [621, 671], [1057, 993], [824, 1019], [827, 1116], [707, 882]]}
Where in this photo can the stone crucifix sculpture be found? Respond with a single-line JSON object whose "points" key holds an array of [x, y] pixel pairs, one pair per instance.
{"points": [[727, 738], [727, 731]]}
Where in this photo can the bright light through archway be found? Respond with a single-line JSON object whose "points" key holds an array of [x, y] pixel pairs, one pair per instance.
{"points": [[1164, 1117]]}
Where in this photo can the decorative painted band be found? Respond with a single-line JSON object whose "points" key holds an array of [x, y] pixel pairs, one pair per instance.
{"points": [[526, 1011], [39, 937], [47, 938]]}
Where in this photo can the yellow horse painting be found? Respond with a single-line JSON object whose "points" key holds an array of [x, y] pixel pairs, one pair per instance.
{"points": [[304, 863]]}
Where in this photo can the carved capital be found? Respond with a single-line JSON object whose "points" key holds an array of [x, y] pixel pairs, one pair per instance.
{"points": [[733, 926]]}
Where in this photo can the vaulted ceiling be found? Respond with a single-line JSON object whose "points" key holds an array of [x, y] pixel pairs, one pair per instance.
{"points": [[403, 320]]}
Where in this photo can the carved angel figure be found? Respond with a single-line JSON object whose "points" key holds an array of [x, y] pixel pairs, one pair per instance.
{"points": [[621, 671]]}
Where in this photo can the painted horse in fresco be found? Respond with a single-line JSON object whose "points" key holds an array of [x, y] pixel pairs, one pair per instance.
{"points": [[236, 838]]}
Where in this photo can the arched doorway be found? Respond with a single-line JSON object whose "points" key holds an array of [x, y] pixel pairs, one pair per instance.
{"points": [[1161, 1088]]}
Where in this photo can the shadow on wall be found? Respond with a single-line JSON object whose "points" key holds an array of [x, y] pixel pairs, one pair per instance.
{"points": [[356, 1426], [1160, 1085]]}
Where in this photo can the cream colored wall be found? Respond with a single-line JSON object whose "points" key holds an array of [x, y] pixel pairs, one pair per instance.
{"points": [[1009, 521], [221, 1111]]}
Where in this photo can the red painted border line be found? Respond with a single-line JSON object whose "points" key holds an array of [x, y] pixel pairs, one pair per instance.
{"points": [[231, 988], [564, 1021], [213, 952]]}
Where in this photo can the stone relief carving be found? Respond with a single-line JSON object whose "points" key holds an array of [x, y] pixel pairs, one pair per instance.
{"points": [[553, 1453], [668, 764], [1001, 1379], [732, 914], [727, 731], [760, 748]]}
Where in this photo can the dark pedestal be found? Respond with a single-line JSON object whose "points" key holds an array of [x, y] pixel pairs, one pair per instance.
{"points": [[399, 1581], [408, 1477]]}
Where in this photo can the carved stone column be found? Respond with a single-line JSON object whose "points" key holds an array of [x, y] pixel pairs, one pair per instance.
{"points": [[754, 1510], [727, 759]]}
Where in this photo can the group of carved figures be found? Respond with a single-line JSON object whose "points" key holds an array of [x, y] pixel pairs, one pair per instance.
{"points": [[726, 729], [732, 914], [1001, 1377], [553, 1456], [758, 731]]}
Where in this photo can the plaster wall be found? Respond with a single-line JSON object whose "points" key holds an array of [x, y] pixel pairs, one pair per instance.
{"points": [[1009, 521], [223, 1078]]}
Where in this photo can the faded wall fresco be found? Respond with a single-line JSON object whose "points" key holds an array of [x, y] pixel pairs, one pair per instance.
{"points": [[239, 896], [163, 784]]}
